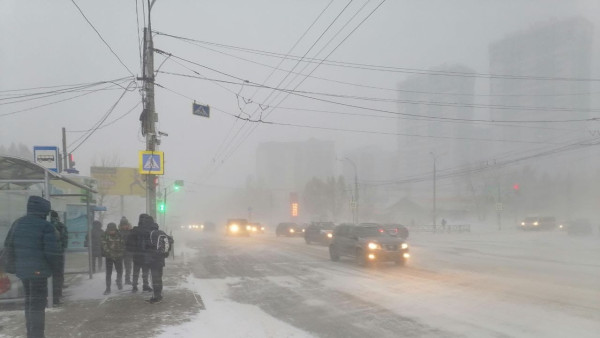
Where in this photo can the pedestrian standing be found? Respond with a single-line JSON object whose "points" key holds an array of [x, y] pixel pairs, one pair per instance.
{"points": [[58, 277], [135, 246], [157, 245], [37, 255], [96, 243], [125, 231], [113, 249]]}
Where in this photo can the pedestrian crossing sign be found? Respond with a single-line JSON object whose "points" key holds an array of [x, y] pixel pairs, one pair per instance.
{"points": [[152, 162]]}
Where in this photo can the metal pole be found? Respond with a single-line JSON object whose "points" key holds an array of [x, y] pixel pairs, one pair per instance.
{"points": [[434, 195], [90, 219], [165, 212], [151, 116], [64, 146], [49, 280]]}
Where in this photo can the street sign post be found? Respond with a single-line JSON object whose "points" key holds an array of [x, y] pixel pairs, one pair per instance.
{"points": [[46, 157], [151, 162]]}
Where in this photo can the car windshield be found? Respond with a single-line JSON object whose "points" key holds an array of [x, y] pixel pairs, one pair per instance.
{"points": [[371, 232]]}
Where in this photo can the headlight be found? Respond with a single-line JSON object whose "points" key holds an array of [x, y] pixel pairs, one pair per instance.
{"points": [[303, 230], [292, 231], [371, 256], [406, 255], [234, 228], [330, 235], [262, 228], [404, 246], [202, 226], [560, 226], [522, 223], [254, 229], [535, 223], [373, 246], [189, 226]]}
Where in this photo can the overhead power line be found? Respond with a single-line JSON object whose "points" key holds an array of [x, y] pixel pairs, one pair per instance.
{"points": [[393, 69], [422, 117], [101, 38]]}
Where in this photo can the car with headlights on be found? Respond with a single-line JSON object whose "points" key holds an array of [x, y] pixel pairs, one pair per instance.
{"points": [[288, 229], [257, 228], [366, 243], [319, 232], [538, 223], [237, 227]]}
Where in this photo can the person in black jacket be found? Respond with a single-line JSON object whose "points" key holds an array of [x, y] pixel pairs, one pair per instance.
{"points": [[97, 234], [37, 255], [58, 277], [154, 261], [135, 245]]}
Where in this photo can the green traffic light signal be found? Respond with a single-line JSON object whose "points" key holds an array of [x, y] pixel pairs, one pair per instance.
{"points": [[161, 207]]}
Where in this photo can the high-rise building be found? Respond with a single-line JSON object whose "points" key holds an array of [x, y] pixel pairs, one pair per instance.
{"points": [[439, 96], [290, 165], [544, 66]]}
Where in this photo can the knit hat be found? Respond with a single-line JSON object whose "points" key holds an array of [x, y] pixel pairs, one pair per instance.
{"points": [[123, 222], [145, 219], [53, 214], [111, 226]]}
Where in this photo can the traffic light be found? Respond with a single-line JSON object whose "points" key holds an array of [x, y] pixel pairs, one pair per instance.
{"points": [[516, 187], [161, 207], [71, 161], [177, 185]]}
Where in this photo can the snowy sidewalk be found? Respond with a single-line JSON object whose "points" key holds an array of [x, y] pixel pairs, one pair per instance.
{"points": [[86, 312]]}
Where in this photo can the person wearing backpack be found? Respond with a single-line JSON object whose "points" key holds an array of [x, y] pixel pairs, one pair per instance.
{"points": [[158, 246], [135, 246]]}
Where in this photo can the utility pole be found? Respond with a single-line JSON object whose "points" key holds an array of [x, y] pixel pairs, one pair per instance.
{"points": [[149, 116], [434, 212], [64, 146]]}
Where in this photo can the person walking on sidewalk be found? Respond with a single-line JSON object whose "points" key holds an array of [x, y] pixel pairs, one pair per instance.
{"points": [[125, 230], [97, 233], [37, 255], [113, 248], [157, 246], [135, 245], [58, 277]]}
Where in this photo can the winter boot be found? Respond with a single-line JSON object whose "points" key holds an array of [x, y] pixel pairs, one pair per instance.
{"points": [[119, 285], [155, 299], [147, 288], [107, 291], [134, 289]]}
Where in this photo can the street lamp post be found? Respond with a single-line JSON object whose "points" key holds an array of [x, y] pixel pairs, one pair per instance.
{"points": [[356, 199], [434, 191]]}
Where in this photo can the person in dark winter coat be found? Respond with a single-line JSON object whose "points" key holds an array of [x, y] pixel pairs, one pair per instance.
{"points": [[58, 277], [37, 255], [155, 262], [125, 230], [113, 249], [97, 233], [135, 245]]}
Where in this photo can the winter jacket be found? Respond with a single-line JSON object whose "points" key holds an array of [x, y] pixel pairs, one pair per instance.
{"points": [[151, 257], [113, 246], [97, 233], [63, 234], [36, 247]]}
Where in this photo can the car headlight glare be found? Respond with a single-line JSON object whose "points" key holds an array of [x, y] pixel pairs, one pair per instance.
{"points": [[330, 235], [404, 246], [292, 231], [535, 223], [522, 223], [373, 246], [234, 228]]}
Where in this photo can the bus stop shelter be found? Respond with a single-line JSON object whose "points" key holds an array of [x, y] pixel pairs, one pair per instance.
{"points": [[24, 178]]}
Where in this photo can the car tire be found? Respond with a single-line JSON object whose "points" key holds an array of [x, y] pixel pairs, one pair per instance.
{"points": [[361, 260], [333, 254]]}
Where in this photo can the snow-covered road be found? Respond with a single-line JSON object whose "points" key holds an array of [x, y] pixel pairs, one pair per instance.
{"points": [[510, 284]]}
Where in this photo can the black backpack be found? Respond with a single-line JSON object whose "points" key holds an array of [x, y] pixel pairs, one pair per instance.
{"points": [[160, 243]]}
